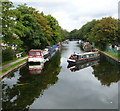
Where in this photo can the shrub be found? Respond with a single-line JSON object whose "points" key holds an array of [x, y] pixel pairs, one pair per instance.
{"points": [[8, 54]]}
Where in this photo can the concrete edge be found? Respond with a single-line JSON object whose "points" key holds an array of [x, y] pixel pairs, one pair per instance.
{"points": [[11, 70], [110, 56]]}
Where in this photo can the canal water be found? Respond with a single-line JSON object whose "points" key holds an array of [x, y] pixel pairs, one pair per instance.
{"points": [[60, 86]]}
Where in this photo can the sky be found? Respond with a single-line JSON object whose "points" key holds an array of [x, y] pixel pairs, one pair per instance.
{"points": [[73, 14]]}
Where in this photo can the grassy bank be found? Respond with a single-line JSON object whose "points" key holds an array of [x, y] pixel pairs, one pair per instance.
{"points": [[7, 62], [113, 55], [12, 66]]}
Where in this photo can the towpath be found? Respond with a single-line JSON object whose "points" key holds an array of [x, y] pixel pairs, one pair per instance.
{"points": [[9, 64]]}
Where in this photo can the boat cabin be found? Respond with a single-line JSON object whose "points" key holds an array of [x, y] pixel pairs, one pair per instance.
{"points": [[35, 55], [87, 47]]}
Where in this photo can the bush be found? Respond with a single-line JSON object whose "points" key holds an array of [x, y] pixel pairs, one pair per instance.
{"points": [[8, 54]]}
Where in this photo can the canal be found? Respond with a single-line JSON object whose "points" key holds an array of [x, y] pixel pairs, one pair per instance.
{"points": [[60, 86]]}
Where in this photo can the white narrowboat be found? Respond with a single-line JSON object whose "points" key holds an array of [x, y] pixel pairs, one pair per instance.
{"points": [[35, 56]]}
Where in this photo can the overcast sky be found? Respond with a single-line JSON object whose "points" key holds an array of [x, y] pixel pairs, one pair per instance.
{"points": [[72, 14]]}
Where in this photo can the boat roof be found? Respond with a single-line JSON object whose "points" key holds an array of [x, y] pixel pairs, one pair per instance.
{"points": [[35, 50], [87, 53]]}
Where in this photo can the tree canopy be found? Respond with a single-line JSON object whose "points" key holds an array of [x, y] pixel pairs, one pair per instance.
{"points": [[102, 32], [28, 28]]}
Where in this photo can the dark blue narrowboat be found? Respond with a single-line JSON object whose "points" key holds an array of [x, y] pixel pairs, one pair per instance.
{"points": [[81, 58]]}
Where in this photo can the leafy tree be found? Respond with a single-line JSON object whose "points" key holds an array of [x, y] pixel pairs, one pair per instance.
{"points": [[8, 51], [40, 30], [7, 22], [73, 34], [64, 34], [46, 29], [86, 29], [8, 25], [26, 28], [32, 34], [53, 23], [105, 32]]}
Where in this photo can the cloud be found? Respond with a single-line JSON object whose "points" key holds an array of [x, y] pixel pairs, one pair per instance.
{"points": [[73, 14]]}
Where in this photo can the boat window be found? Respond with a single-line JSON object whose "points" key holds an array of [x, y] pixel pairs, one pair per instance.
{"points": [[91, 55], [79, 57], [75, 57], [34, 53], [84, 56], [87, 56]]}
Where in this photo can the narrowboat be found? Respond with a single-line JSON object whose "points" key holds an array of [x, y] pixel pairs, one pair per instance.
{"points": [[35, 56], [81, 58], [52, 50], [46, 54], [87, 47], [59, 46]]}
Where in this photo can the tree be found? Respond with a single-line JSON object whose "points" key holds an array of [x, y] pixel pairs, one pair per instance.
{"points": [[105, 32], [85, 30], [73, 34], [31, 35], [53, 23], [7, 23], [9, 36], [45, 28], [64, 34], [27, 28]]}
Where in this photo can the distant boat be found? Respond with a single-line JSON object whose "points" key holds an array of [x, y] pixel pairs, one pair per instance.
{"points": [[84, 57], [87, 47]]}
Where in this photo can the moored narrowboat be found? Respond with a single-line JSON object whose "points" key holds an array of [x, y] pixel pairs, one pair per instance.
{"points": [[87, 47], [35, 56], [81, 58]]}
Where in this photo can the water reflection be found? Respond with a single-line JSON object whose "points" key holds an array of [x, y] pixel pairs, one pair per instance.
{"points": [[106, 72], [35, 69], [78, 67], [59, 88], [22, 91]]}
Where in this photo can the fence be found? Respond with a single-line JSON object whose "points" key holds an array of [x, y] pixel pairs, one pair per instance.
{"points": [[112, 50]]}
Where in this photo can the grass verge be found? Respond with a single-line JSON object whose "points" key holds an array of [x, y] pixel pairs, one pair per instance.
{"points": [[113, 55], [7, 62], [12, 66]]}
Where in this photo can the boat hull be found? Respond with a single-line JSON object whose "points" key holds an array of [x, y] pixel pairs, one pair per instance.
{"points": [[70, 61]]}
